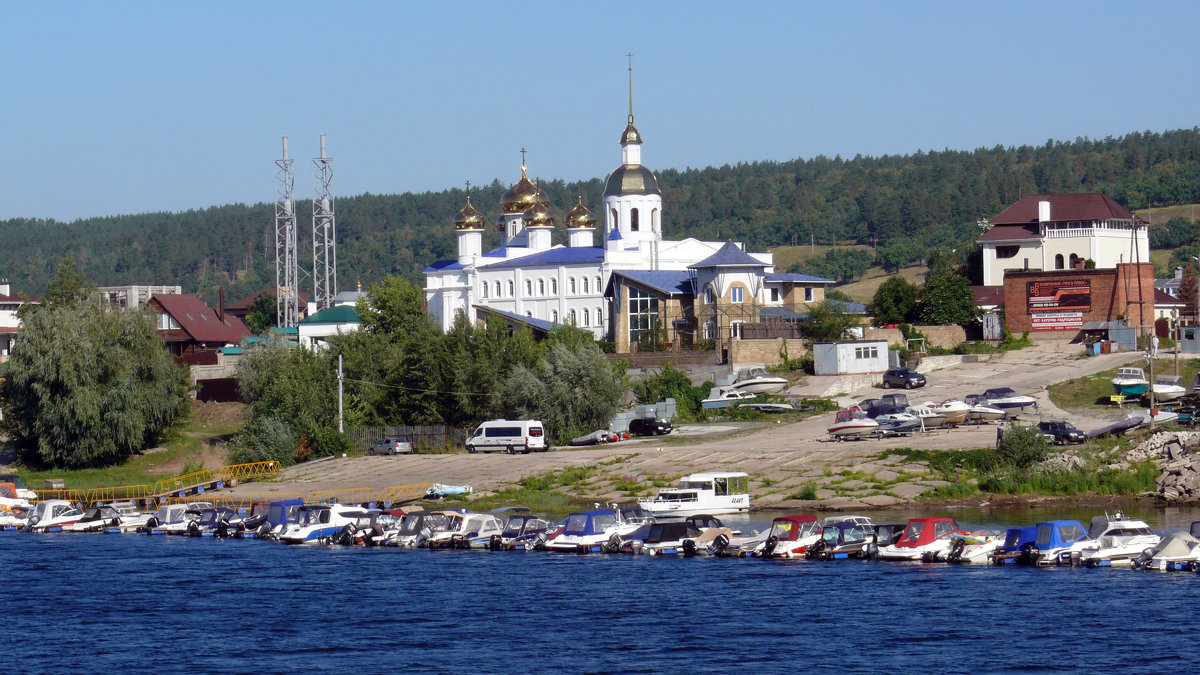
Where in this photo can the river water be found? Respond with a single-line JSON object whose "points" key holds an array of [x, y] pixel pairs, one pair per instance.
{"points": [[121, 603]]}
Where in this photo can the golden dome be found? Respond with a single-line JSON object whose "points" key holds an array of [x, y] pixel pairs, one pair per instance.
{"points": [[630, 135], [469, 218], [580, 216], [539, 214], [631, 179], [520, 197]]}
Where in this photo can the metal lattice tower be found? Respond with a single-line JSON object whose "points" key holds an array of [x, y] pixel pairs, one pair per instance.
{"points": [[324, 232], [287, 267]]}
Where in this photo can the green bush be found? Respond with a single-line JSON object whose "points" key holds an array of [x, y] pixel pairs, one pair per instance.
{"points": [[808, 491], [1022, 447], [264, 439]]}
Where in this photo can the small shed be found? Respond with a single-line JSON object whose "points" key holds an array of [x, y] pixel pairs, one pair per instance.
{"points": [[1120, 338], [850, 357]]}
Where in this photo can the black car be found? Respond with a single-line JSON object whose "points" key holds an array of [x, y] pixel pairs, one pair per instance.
{"points": [[1061, 433], [903, 377], [649, 426]]}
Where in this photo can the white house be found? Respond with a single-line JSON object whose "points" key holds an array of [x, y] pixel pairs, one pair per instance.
{"points": [[10, 323]]}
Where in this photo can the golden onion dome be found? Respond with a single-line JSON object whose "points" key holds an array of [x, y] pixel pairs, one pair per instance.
{"points": [[520, 197], [580, 216], [539, 215], [469, 218], [630, 135]]}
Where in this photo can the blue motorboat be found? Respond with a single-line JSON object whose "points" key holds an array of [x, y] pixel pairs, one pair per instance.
{"points": [[1006, 399], [1016, 539], [1130, 382], [1056, 541]]}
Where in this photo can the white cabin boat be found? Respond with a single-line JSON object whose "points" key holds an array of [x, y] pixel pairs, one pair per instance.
{"points": [[723, 397], [711, 493], [758, 381], [1168, 387], [52, 514], [1116, 540], [852, 422]]}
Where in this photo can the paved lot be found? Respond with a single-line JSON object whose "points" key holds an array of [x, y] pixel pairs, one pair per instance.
{"points": [[784, 458]]}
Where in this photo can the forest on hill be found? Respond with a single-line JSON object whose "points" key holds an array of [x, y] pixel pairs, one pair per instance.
{"points": [[901, 204]]}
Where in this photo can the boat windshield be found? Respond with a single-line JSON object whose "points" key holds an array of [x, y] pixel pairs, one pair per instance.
{"points": [[514, 527], [913, 532], [783, 530], [577, 524]]}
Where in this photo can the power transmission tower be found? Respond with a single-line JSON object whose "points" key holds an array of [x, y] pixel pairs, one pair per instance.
{"points": [[287, 267], [324, 232]]}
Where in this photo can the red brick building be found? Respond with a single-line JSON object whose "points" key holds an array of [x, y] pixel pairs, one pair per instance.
{"points": [[1062, 300]]}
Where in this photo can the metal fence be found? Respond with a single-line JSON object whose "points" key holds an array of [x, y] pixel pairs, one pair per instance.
{"points": [[426, 438]]}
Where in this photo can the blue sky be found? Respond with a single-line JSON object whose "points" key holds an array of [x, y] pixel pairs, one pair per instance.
{"points": [[131, 107]]}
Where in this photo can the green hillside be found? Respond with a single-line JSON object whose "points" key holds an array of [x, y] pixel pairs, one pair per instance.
{"points": [[903, 205]]}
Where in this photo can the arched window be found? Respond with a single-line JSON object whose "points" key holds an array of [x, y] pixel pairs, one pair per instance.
{"points": [[511, 289], [529, 314], [571, 286], [541, 287], [599, 286], [1074, 260], [554, 286], [585, 285], [615, 222], [571, 317], [1058, 261], [497, 289], [599, 317], [586, 317], [708, 295], [654, 220], [633, 220], [528, 287], [483, 290], [554, 316]]}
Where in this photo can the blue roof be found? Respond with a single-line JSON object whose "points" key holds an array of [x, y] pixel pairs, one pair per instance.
{"points": [[666, 281], [797, 278], [539, 324], [614, 234], [563, 255], [729, 256], [444, 265]]}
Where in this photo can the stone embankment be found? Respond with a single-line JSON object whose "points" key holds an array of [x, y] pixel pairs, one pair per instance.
{"points": [[1176, 453]]}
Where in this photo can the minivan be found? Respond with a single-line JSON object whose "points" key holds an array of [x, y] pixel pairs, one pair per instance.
{"points": [[508, 435]]}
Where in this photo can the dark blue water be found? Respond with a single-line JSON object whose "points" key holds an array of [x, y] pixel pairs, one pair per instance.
{"points": [[120, 603]]}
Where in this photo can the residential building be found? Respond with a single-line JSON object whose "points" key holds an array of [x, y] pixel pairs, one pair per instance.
{"points": [[122, 297], [193, 331], [10, 322]]}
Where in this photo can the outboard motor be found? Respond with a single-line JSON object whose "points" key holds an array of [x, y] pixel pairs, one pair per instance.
{"points": [[223, 528], [872, 551], [769, 545], [539, 543], [613, 544], [264, 531], [193, 529], [956, 550], [1142, 560], [151, 523], [689, 548], [115, 522], [816, 550], [1029, 554], [458, 541], [422, 538], [494, 544], [719, 545], [346, 536]]}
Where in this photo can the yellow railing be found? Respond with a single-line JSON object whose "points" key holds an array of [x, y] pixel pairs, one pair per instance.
{"points": [[397, 494], [167, 485]]}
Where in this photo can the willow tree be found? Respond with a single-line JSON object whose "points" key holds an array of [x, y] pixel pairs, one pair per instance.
{"points": [[87, 387]]}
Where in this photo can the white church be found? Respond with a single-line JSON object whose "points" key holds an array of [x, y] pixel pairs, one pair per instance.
{"points": [[529, 280]]}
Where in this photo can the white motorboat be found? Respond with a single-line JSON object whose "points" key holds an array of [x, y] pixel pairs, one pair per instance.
{"points": [[723, 397], [969, 547], [1007, 399], [770, 407], [595, 531], [954, 410], [758, 381], [318, 524], [1168, 387], [853, 422], [714, 492], [416, 528], [921, 536], [1130, 381], [96, 519], [175, 518], [13, 508], [928, 417], [1176, 551], [981, 411], [1158, 416], [52, 515], [1116, 540], [789, 537], [896, 421], [466, 530]]}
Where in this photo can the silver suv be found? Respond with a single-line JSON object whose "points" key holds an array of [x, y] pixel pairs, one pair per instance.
{"points": [[390, 446]]}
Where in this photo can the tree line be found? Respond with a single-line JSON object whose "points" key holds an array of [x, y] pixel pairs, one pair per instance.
{"points": [[902, 204]]}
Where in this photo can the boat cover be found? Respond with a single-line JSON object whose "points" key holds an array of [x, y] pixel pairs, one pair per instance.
{"points": [[1176, 544]]}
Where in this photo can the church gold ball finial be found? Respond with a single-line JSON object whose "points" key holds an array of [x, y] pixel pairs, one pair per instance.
{"points": [[580, 216], [523, 195]]}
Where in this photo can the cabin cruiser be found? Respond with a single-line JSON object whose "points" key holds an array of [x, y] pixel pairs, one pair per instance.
{"points": [[982, 411], [1018, 542], [369, 529], [114, 517], [893, 420], [522, 532], [842, 539], [789, 537], [416, 528], [723, 397], [921, 536], [467, 530], [318, 524], [954, 410], [212, 522], [52, 515], [674, 537], [175, 518], [758, 381], [1007, 399], [596, 531], [1116, 540], [1176, 551], [853, 422], [928, 417], [1055, 542], [712, 492], [10, 498], [1130, 382], [1168, 387], [969, 547]]}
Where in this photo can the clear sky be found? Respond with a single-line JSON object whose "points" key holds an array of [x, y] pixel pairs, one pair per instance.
{"points": [[130, 107]]}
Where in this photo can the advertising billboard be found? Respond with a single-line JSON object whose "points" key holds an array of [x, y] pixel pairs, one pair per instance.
{"points": [[1058, 295]]}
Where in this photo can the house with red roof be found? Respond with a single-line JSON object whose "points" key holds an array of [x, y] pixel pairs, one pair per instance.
{"points": [[1062, 232], [10, 323], [193, 331]]}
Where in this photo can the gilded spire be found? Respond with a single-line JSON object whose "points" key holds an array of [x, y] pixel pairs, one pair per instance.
{"points": [[630, 135], [629, 55]]}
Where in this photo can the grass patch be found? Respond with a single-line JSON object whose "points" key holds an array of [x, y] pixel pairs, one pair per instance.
{"points": [[1094, 390], [142, 469], [566, 477], [958, 490]]}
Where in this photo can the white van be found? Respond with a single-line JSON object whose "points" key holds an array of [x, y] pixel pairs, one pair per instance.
{"points": [[508, 435]]}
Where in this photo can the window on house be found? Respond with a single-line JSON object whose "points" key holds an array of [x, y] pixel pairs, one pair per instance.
{"points": [[497, 289], [866, 352], [774, 295], [584, 281], [529, 314], [736, 295], [710, 329], [708, 295], [554, 316], [528, 287], [1007, 251], [541, 287], [599, 286], [1074, 260], [586, 318], [643, 315], [735, 330], [483, 290], [511, 288], [571, 317], [808, 294], [633, 220], [654, 220], [571, 286], [615, 224], [1058, 262]]}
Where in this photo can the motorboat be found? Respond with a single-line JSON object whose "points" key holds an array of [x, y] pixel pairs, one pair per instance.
{"points": [[887, 534], [318, 524], [594, 531], [723, 397], [982, 411], [52, 515], [714, 492], [1116, 540], [789, 537], [1168, 388], [758, 381], [213, 522], [893, 420], [969, 547], [597, 437], [1007, 399], [416, 528], [954, 410], [928, 417], [522, 532], [10, 498], [1055, 542], [175, 518], [1130, 381], [1176, 551], [246, 524], [114, 517], [1157, 416], [467, 530], [853, 422], [676, 537], [770, 407], [844, 539], [1018, 542], [921, 536], [369, 529]]}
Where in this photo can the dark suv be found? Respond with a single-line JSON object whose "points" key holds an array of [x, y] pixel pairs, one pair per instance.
{"points": [[1061, 433], [649, 426], [903, 377]]}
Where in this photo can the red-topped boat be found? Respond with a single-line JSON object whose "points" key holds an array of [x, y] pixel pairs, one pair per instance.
{"points": [[921, 536], [789, 537]]}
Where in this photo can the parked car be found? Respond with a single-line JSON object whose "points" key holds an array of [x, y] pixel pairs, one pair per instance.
{"points": [[903, 377], [1061, 433], [649, 426], [390, 446]]}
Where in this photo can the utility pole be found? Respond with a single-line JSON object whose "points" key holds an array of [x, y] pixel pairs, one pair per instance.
{"points": [[1151, 352], [341, 376]]}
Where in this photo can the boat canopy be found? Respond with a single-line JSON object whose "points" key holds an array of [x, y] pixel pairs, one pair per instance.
{"points": [[1016, 537], [789, 528], [922, 531], [999, 392], [586, 523], [673, 531], [1059, 533], [1116, 526], [1175, 545]]}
